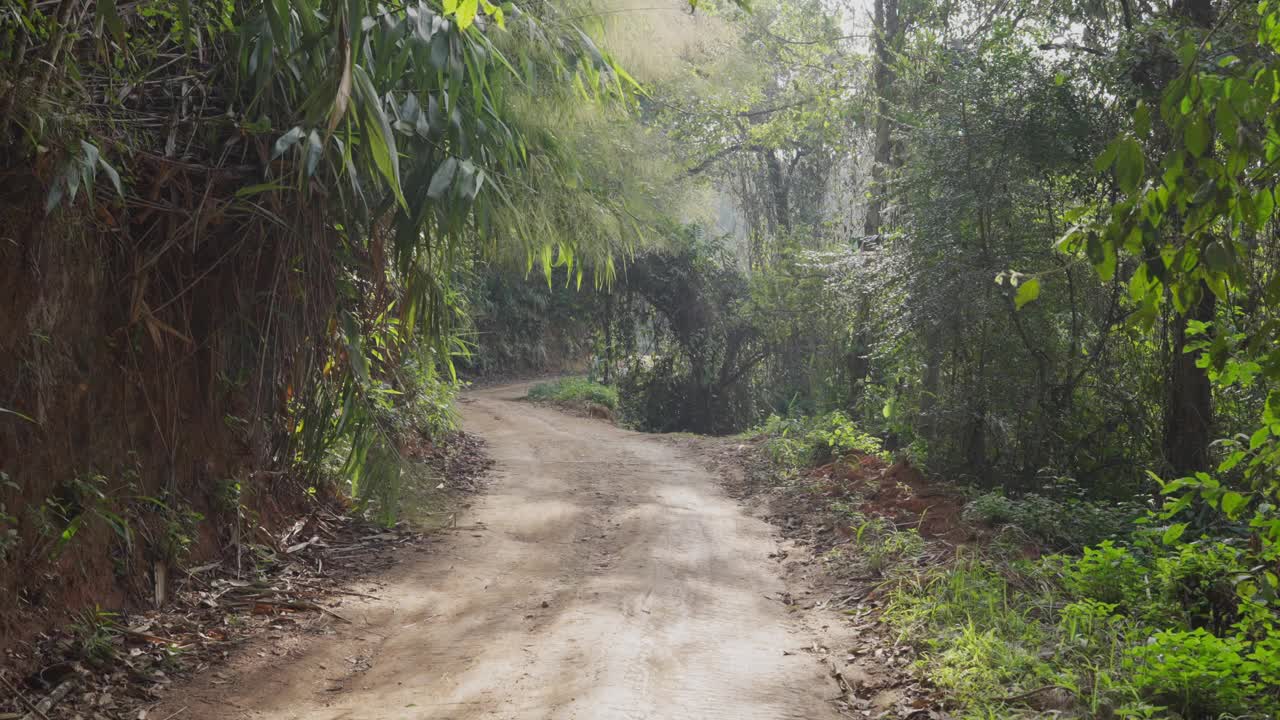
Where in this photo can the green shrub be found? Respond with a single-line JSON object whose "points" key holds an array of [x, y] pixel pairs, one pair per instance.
{"points": [[1198, 581], [1195, 673], [1264, 662], [1064, 523], [1148, 632], [835, 436], [991, 508], [980, 665], [1090, 625], [427, 405], [575, 390], [1106, 574], [804, 442], [786, 445]]}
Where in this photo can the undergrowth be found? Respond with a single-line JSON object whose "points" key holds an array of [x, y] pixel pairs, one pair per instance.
{"points": [[1059, 522], [795, 443], [1129, 631], [1125, 620], [575, 390]]}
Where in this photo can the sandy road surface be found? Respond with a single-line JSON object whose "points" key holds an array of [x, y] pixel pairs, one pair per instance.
{"points": [[654, 584]]}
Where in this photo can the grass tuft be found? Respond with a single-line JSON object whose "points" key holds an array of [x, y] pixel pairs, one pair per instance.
{"points": [[575, 390]]}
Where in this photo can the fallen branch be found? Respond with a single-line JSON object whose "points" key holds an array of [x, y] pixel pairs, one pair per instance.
{"points": [[42, 708], [300, 605]]}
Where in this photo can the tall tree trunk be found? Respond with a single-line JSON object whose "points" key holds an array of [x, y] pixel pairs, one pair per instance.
{"points": [[1188, 420], [778, 192], [886, 32]]}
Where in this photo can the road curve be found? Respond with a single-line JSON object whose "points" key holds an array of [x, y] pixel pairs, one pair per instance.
{"points": [[602, 576]]}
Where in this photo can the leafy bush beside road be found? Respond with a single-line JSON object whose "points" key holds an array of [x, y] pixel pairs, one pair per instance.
{"points": [[575, 390]]}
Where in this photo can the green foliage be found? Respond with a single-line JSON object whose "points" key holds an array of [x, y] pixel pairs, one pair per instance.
{"points": [[1106, 574], [1196, 674], [1199, 580], [575, 390], [379, 154], [1125, 632], [521, 324], [881, 550], [95, 633], [1191, 235], [694, 373], [834, 436], [982, 636], [795, 443], [171, 527], [1061, 522]]}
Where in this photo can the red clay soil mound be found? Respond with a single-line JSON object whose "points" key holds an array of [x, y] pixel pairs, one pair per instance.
{"points": [[898, 493]]}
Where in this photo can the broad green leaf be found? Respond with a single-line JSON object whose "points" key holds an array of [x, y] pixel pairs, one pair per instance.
{"points": [[1259, 437], [315, 150], [1028, 291], [54, 197], [1130, 164], [106, 11], [1232, 502], [1216, 257], [1173, 532], [1142, 118], [1107, 158], [72, 178], [467, 13], [90, 154], [1196, 135], [1264, 205], [1102, 254]]}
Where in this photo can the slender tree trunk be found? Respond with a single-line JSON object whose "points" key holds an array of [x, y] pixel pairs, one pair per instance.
{"points": [[608, 337], [1188, 421], [778, 191], [886, 32]]}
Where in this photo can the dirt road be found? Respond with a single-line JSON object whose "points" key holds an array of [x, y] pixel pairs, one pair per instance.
{"points": [[602, 576]]}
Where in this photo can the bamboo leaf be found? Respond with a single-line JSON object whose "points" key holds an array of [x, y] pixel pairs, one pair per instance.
{"points": [[377, 133], [442, 178], [286, 141], [112, 175], [315, 150], [343, 96], [250, 190]]}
